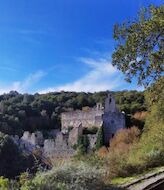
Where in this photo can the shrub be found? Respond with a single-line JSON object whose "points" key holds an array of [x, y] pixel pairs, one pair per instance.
{"points": [[102, 152], [100, 138], [126, 159], [124, 139], [119, 149], [82, 145], [4, 183], [68, 176]]}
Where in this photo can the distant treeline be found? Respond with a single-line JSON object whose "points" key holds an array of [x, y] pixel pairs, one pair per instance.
{"points": [[20, 112]]}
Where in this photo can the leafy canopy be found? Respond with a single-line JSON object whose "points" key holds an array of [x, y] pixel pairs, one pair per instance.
{"points": [[140, 48]]}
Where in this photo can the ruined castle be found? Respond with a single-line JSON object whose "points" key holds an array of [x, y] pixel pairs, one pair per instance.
{"points": [[107, 117], [73, 123]]}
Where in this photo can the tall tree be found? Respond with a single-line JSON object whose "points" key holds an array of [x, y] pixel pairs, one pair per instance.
{"points": [[100, 139], [140, 46]]}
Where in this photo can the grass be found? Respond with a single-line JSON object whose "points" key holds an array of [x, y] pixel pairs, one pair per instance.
{"points": [[121, 180]]}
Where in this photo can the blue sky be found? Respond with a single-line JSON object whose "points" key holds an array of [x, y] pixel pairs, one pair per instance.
{"points": [[53, 45]]}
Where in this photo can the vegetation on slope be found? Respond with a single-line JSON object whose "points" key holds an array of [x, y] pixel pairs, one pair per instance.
{"points": [[21, 112], [140, 53]]}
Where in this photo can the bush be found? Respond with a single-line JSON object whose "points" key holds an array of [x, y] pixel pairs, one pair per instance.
{"points": [[82, 145], [126, 159], [119, 149], [150, 150], [68, 176], [100, 139], [124, 139], [4, 183], [102, 152]]}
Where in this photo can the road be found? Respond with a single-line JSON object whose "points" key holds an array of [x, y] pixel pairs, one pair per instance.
{"points": [[160, 187], [156, 182]]}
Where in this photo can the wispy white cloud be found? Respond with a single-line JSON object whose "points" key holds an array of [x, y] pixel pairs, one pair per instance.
{"points": [[102, 76], [7, 68], [23, 86]]}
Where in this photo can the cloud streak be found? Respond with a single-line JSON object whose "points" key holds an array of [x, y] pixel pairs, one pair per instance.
{"points": [[102, 76], [7, 68], [23, 86]]}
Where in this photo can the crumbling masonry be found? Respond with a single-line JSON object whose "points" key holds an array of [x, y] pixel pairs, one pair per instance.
{"points": [[62, 142], [109, 117]]}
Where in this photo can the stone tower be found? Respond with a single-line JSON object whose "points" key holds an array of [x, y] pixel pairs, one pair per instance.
{"points": [[113, 119], [110, 104], [108, 117]]}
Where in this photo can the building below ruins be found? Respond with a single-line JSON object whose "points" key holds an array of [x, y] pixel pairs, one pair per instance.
{"points": [[62, 142]]}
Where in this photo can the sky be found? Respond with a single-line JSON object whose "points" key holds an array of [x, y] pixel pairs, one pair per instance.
{"points": [[54, 45]]}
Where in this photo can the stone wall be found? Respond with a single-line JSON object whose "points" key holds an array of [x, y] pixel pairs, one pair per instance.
{"points": [[62, 142], [110, 104], [90, 118], [49, 147], [113, 121], [58, 148], [110, 118], [74, 135], [31, 140], [92, 141]]}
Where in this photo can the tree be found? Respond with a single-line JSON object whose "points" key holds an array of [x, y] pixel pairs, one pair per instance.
{"points": [[140, 48], [155, 93], [9, 156], [100, 139], [11, 159]]}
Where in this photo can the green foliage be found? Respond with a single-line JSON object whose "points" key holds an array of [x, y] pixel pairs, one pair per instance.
{"points": [[92, 159], [155, 93], [20, 113], [140, 53], [4, 183], [42, 112], [140, 48], [82, 145], [68, 176], [120, 145], [130, 101], [100, 139], [149, 151]]}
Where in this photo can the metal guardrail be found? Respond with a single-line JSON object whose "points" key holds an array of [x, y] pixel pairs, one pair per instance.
{"points": [[155, 185], [141, 179], [150, 182]]}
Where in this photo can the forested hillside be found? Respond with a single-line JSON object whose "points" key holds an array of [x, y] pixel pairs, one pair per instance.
{"points": [[132, 151], [20, 112]]}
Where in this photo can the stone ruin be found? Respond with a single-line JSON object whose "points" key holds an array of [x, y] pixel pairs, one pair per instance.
{"points": [[73, 123], [107, 117], [60, 146]]}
